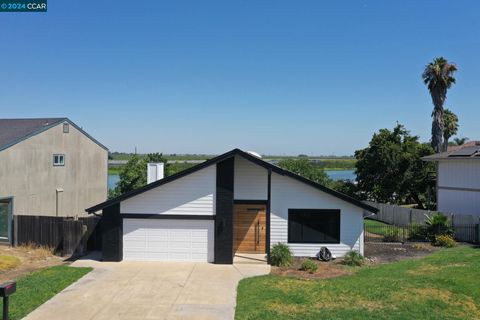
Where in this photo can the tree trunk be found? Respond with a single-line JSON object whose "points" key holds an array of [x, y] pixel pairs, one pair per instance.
{"points": [[437, 123], [445, 144]]}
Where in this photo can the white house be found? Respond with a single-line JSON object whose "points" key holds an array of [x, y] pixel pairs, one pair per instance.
{"points": [[234, 203], [458, 179]]}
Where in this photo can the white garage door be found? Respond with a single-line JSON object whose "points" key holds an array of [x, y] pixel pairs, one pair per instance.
{"points": [[168, 240]]}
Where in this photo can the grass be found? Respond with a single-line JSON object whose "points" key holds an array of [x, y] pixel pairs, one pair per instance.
{"points": [[114, 170], [374, 223], [381, 228], [8, 262], [36, 288], [444, 285]]}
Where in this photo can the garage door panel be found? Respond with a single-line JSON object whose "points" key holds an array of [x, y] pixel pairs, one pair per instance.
{"points": [[175, 240]]}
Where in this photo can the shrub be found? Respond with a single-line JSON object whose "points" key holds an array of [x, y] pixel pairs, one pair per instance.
{"points": [[391, 235], [353, 258], [417, 232], [437, 224], [309, 265], [280, 255], [444, 240]]}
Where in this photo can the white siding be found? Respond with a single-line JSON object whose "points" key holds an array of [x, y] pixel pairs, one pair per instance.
{"points": [[288, 193], [459, 173], [193, 194], [168, 240], [459, 202], [251, 180]]}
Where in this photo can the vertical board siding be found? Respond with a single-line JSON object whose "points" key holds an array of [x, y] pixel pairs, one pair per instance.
{"points": [[288, 193], [459, 173], [223, 251], [251, 180], [193, 195]]}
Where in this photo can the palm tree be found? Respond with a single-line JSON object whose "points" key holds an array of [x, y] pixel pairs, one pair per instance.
{"points": [[460, 141], [450, 126], [438, 76]]}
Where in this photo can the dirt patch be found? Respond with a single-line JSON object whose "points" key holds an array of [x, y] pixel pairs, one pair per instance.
{"points": [[31, 259], [392, 252], [325, 270]]}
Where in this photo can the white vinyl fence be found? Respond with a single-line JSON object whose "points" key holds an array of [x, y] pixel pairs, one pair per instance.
{"points": [[464, 225]]}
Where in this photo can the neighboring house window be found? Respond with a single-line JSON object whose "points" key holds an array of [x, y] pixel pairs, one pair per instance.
{"points": [[58, 159], [66, 128], [313, 226]]}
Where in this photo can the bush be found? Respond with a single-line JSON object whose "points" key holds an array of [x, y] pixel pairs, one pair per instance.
{"points": [[353, 258], [391, 235], [280, 255], [444, 240], [309, 265], [437, 224], [417, 232]]}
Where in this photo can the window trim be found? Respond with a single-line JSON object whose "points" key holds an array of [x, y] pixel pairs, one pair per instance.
{"points": [[66, 127], [319, 211], [62, 164]]}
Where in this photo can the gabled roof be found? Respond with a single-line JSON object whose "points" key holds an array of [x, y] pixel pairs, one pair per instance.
{"points": [[470, 150], [13, 131], [220, 158]]}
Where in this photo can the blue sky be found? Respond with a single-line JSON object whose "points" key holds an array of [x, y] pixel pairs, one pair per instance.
{"points": [[277, 77]]}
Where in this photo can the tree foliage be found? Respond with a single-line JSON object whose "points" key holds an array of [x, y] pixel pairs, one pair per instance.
{"points": [[134, 174], [390, 169], [438, 76], [460, 141], [450, 123], [304, 168]]}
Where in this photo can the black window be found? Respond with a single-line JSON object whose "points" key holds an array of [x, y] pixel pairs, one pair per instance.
{"points": [[313, 226], [58, 160]]}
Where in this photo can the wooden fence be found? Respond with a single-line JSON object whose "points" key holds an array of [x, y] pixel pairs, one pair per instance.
{"points": [[67, 236], [401, 216]]}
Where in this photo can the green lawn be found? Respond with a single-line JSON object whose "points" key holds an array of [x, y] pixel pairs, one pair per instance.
{"points": [[374, 223], [380, 228], [444, 285], [36, 288]]}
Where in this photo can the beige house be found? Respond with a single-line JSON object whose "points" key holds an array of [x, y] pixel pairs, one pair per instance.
{"points": [[48, 167]]}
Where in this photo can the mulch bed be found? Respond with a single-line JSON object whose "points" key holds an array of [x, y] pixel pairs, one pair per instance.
{"points": [[325, 270], [375, 253], [393, 252]]}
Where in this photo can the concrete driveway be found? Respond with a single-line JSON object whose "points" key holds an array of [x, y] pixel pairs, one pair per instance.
{"points": [[150, 290]]}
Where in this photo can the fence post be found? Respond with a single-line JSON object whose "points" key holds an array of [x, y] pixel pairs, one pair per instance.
{"points": [[477, 229]]}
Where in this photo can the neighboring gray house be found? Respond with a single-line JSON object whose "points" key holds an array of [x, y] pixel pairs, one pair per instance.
{"points": [[234, 203], [458, 179], [48, 167]]}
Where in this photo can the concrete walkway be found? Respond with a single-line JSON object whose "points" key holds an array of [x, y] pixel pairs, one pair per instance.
{"points": [[150, 290]]}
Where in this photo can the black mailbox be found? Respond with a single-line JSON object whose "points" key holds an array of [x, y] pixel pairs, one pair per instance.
{"points": [[7, 289]]}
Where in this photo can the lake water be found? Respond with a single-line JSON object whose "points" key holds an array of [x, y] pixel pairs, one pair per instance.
{"points": [[333, 174], [113, 180], [341, 175]]}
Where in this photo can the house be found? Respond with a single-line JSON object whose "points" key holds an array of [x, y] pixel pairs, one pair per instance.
{"points": [[48, 167], [233, 203], [458, 179]]}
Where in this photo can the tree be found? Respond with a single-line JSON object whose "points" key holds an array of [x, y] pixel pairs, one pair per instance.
{"points": [[390, 169], [134, 173], [450, 123], [460, 141], [438, 76], [304, 168]]}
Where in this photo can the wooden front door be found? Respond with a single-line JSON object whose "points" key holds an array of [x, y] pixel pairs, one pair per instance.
{"points": [[249, 228]]}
